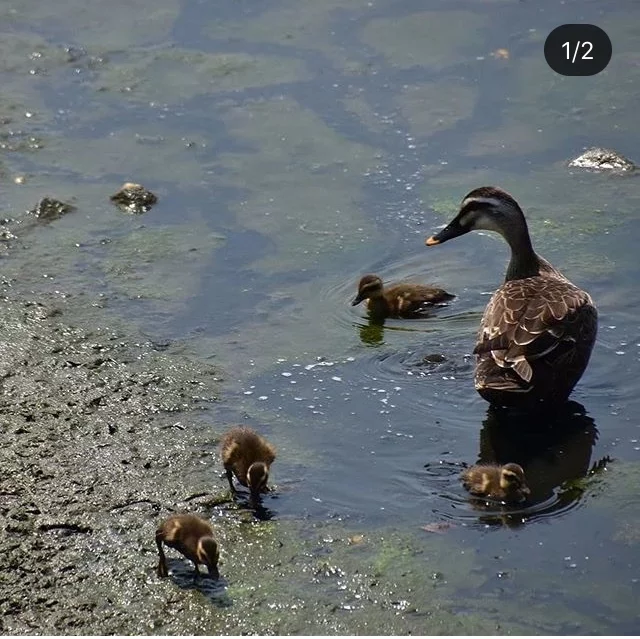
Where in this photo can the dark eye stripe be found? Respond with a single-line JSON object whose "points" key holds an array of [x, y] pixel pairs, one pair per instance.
{"points": [[370, 287]]}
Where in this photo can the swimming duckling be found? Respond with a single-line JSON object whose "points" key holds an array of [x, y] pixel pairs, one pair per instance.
{"points": [[191, 536], [505, 483], [401, 300], [248, 456]]}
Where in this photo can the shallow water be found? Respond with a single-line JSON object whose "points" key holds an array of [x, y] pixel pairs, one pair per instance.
{"points": [[296, 146]]}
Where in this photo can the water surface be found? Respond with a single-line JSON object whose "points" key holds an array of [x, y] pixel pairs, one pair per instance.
{"points": [[296, 146]]}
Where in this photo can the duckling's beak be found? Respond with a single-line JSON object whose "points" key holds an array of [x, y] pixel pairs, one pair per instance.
{"points": [[357, 299]]}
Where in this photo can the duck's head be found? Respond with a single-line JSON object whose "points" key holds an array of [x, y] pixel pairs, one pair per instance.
{"points": [[513, 482], [257, 478], [488, 208], [208, 554], [369, 286]]}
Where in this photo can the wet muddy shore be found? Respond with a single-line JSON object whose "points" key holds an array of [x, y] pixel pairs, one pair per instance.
{"points": [[98, 432]]}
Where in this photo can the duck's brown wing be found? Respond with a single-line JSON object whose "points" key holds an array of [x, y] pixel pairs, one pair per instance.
{"points": [[530, 318]]}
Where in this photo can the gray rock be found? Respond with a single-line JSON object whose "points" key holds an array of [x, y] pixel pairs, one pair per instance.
{"points": [[600, 159]]}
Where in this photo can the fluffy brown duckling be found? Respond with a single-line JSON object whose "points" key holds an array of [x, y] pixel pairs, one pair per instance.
{"points": [[248, 456], [400, 300], [504, 483], [191, 536]]}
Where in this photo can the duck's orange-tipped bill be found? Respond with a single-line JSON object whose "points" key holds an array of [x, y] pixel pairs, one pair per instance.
{"points": [[432, 241]]}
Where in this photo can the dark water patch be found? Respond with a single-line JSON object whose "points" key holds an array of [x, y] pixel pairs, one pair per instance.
{"points": [[372, 427], [241, 505], [557, 465], [378, 423], [230, 289]]}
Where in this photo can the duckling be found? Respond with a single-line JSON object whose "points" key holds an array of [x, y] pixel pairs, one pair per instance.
{"points": [[248, 456], [505, 483], [401, 300], [191, 536]]}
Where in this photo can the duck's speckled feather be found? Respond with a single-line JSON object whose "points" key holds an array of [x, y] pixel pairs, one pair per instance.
{"points": [[535, 336]]}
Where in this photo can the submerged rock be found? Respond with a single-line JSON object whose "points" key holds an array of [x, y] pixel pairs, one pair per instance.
{"points": [[601, 159], [433, 359], [49, 209], [134, 198]]}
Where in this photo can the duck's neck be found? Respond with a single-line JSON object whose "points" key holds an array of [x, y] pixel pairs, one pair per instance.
{"points": [[524, 261]]}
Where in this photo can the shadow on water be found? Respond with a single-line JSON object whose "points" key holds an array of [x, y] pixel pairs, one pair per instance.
{"points": [[554, 449], [372, 333], [262, 513], [247, 504], [183, 576]]}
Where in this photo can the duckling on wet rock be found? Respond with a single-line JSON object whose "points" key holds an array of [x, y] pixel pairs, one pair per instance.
{"points": [[538, 329], [504, 483], [248, 456], [400, 300], [191, 536]]}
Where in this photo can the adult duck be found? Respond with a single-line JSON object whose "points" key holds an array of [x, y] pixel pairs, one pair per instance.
{"points": [[538, 329]]}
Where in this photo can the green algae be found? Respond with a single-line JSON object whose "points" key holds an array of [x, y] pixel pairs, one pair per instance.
{"points": [[316, 579], [430, 39], [366, 115], [115, 25], [156, 266], [149, 263], [542, 102], [153, 154], [304, 25], [430, 107], [175, 76]]}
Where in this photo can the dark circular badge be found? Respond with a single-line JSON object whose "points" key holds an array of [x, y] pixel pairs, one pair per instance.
{"points": [[578, 49]]}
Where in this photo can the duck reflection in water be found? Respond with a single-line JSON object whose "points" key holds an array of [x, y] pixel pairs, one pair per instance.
{"points": [[372, 334], [554, 450]]}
